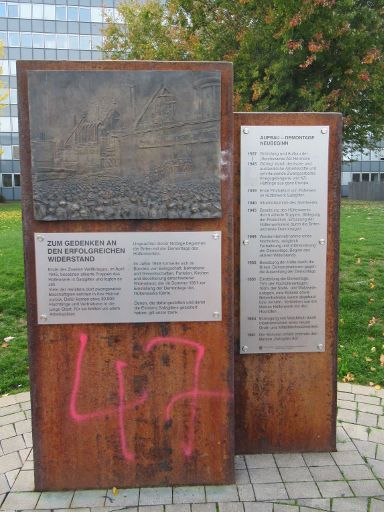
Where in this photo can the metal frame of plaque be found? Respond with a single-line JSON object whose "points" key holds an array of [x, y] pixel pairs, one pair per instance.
{"points": [[286, 240], [130, 198]]}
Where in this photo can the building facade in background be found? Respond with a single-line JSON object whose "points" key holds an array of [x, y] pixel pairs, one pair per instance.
{"points": [[53, 30]]}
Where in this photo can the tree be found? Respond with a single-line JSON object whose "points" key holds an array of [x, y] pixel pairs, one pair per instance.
{"points": [[288, 55]]}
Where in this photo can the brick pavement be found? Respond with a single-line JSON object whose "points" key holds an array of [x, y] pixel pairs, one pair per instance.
{"points": [[349, 480]]}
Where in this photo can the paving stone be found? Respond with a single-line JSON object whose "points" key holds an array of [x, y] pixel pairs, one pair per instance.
{"points": [[150, 508], [23, 397], [180, 507], [346, 404], [246, 492], [280, 507], [13, 444], [347, 458], [203, 507], [350, 505], [346, 415], [11, 418], [11, 476], [49, 500], [231, 507], [373, 409], [4, 486], [23, 454], [240, 462], [93, 498], [345, 396], [22, 427], [356, 431], [7, 431], [367, 419], [380, 422], [326, 473], [317, 503], [289, 460], [28, 415], [221, 493], [318, 459], [258, 507], [124, 497], [28, 464], [25, 481], [373, 400], [302, 490], [260, 461], [155, 496], [379, 453], [357, 472], [296, 475], [344, 386], [265, 492], [21, 501], [264, 475], [7, 400], [195, 494], [241, 476], [341, 435], [358, 389], [9, 462], [366, 448], [25, 406], [376, 435], [377, 467], [2, 498], [366, 488], [345, 447], [10, 409], [334, 489], [28, 439], [376, 505]]}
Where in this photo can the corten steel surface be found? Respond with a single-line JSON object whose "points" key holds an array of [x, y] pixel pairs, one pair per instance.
{"points": [[287, 402], [107, 400]]}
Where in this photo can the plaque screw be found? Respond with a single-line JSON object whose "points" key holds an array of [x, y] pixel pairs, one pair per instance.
{"points": [[244, 348], [320, 346], [216, 236], [322, 241], [245, 242], [245, 130], [40, 238], [44, 318], [324, 131], [216, 314]]}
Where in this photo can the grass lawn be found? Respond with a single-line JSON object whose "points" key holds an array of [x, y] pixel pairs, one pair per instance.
{"points": [[361, 325]]}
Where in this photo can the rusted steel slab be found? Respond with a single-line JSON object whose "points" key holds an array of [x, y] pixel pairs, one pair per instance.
{"points": [[287, 402], [127, 405]]}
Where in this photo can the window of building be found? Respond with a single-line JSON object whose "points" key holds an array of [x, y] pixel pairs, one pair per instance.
{"points": [[26, 11], [356, 177], [6, 153], [96, 15], [38, 40], [13, 96], [26, 40], [50, 41], [96, 42], [73, 42], [374, 176], [365, 176], [12, 67], [85, 14], [13, 39], [61, 13], [16, 152], [85, 42], [4, 67], [73, 14], [5, 124], [6, 180], [37, 11], [382, 176], [16, 180], [49, 12], [62, 41], [13, 11], [3, 11], [3, 38]]}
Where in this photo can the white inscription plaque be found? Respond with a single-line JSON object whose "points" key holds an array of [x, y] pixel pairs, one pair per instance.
{"points": [[284, 176], [128, 277]]}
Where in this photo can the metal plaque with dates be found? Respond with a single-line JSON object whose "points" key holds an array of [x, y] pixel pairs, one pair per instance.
{"points": [[284, 173], [128, 277]]}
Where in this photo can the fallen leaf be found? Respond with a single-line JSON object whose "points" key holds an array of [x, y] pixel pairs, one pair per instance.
{"points": [[361, 238], [4, 345], [358, 261], [373, 369], [382, 360], [9, 338], [371, 384], [370, 338], [377, 387], [372, 285], [373, 349], [370, 300], [355, 354], [372, 321], [368, 359], [349, 377], [115, 491]]}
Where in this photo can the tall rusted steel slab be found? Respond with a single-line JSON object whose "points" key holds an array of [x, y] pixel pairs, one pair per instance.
{"points": [[129, 404], [286, 402]]}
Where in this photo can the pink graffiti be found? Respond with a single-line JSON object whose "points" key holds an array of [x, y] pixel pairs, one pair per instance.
{"points": [[192, 394]]}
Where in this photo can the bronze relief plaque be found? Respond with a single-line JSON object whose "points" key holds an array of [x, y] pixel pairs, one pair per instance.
{"points": [[125, 144]]}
